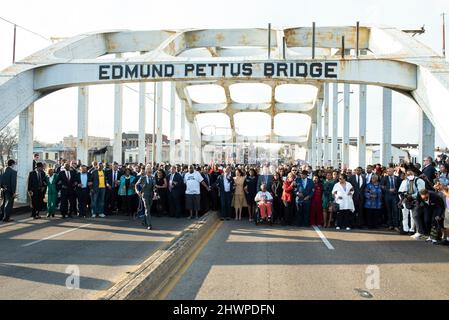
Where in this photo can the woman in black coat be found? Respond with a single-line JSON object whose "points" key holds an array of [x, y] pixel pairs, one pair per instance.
{"points": [[250, 187]]}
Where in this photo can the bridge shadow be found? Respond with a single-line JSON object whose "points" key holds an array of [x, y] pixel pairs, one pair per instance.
{"points": [[51, 277], [118, 225], [252, 246]]}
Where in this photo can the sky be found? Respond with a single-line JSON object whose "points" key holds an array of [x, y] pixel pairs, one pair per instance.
{"points": [[52, 18]]}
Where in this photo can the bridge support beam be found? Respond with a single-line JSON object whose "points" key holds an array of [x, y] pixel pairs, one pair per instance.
{"points": [[118, 113], [142, 123], [25, 152], [172, 122], [426, 137], [191, 138], [159, 97], [82, 140], [345, 145], [313, 149], [319, 135], [335, 125], [326, 151], [385, 139], [183, 132], [361, 140]]}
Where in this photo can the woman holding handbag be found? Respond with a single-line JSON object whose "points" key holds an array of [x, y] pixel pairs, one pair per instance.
{"points": [[327, 199]]}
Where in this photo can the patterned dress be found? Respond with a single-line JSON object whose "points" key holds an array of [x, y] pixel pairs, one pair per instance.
{"points": [[327, 198]]}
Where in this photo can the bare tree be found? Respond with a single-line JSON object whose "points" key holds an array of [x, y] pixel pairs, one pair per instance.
{"points": [[9, 138]]}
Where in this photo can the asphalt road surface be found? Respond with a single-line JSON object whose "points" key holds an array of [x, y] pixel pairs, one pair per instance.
{"points": [[242, 261], [38, 258]]}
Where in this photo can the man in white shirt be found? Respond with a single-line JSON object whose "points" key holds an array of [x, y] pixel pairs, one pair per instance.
{"points": [[192, 180]]}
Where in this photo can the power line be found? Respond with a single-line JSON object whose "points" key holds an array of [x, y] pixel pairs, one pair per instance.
{"points": [[147, 95], [26, 29]]}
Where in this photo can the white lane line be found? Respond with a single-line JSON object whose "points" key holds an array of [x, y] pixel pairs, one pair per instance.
{"points": [[323, 237], [55, 235]]}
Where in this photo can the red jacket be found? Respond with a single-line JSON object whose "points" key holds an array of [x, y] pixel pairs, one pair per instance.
{"points": [[287, 194]]}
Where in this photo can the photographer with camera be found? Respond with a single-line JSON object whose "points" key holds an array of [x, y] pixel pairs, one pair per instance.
{"points": [[408, 194], [433, 207]]}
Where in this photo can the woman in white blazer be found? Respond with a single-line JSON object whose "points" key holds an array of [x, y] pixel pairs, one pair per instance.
{"points": [[342, 193]]}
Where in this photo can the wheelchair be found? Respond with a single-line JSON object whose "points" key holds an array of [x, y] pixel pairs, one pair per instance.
{"points": [[258, 220]]}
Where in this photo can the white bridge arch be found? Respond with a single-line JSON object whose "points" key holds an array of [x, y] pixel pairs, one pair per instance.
{"points": [[368, 55]]}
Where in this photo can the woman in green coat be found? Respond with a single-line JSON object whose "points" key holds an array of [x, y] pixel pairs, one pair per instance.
{"points": [[52, 193], [327, 199]]}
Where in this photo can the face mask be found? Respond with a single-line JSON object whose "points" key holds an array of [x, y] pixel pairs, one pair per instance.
{"points": [[411, 178]]}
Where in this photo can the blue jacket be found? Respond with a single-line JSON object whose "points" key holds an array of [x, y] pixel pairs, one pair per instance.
{"points": [[307, 191], [373, 196], [122, 187]]}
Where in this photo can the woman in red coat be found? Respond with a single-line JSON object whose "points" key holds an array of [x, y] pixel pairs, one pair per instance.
{"points": [[316, 208], [288, 199]]}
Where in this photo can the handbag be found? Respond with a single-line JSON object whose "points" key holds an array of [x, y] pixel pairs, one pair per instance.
{"points": [[336, 206], [435, 231]]}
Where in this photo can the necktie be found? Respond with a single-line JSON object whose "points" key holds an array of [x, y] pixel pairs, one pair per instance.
{"points": [[358, 181], [68, 175], [411, 187], [39, 179], [114, 178], [391, 183]]}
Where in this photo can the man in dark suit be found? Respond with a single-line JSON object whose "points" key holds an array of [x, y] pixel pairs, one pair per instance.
{"points": [[358, 182], [429, 170], [84, 182], [225, 185], [304, 193], [390, 186], [175, 192], [36, 188], [35, 160], [67, 181], [204, 201], [112, 185], [145, 189], [8, 185]]}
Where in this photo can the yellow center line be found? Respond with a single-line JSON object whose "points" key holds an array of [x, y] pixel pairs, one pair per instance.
{"points": [[178, 272]]}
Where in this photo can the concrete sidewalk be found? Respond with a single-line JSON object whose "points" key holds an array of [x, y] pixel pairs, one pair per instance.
{"points": [[37, 257]]}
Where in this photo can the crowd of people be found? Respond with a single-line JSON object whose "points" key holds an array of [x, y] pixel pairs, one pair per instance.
{"points": [[407, 198]]}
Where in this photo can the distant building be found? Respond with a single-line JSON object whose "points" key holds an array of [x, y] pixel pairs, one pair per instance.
{"points": [[92, 142], [50, 153]]}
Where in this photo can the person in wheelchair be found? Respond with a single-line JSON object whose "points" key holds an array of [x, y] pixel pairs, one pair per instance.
{"points": [[264, 201]]}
